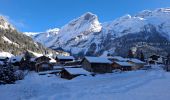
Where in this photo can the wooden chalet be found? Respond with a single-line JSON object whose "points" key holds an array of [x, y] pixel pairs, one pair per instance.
{"points": [[124, 66], [137, 64], [73, 63], [97, 64], [43, 64], [64, 59], [69, 73], [42, 59], [156, 59]]}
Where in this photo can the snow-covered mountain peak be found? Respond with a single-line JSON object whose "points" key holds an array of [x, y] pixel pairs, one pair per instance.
{"points": [[54, 30], [82, 26], [87, 22], [165, 10], [4, 24], [87, 35]]}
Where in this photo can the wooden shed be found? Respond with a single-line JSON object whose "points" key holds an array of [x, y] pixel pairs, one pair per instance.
{"points": [[64, 59], [42, 59], [69, 73], [43, 63], [97, 64], [43, 66], [124, 66], [73, 63], [136, 62], [156, 59]]}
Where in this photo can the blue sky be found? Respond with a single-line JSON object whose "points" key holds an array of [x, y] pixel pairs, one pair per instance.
{"points": [[40, 15]]}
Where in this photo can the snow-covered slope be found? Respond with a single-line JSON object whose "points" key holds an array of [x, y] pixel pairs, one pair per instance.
{"points": [[86, 35], [44, 37], [14, 42], [4, 24], [132, 24]]}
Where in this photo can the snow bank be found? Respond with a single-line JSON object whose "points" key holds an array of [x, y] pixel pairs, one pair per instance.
{"points": [[6, 54], [138, 85]]}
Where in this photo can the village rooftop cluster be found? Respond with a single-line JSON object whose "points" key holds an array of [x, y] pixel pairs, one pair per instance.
{"points": [[68, 67]]}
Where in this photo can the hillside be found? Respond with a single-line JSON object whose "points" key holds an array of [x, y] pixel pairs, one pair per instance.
{"points": [[16, 42]]}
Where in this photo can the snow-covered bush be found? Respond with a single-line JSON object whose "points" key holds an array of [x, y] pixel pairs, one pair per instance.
{"points": [[7, 75], [19, 75]]}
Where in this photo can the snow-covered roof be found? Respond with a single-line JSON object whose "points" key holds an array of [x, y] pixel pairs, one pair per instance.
{"points": [[16, 59], [65, 57], [6, 54], [32, 59], [77, 71], [52, 60], [42, 57], [136, 61], [1, 62], [119, 58], [57, 67], [123, 63], [98, 60]]}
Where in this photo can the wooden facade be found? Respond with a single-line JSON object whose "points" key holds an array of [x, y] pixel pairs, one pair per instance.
{"points": [[123, 67], [42, 59], [64, 59], [65, 74], [43, 64], [96, 67], [73, 63], [156, 59], [69, 73]]}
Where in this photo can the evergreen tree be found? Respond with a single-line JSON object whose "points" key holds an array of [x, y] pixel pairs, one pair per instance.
{"points": [[142, 58], [7, 75], [168, 59], [130, 54]]}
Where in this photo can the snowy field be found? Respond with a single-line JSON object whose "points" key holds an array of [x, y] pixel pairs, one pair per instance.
{"points": [[152, 84]]}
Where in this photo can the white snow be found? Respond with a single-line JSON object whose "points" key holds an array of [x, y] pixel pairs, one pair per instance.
{"points": [[36, 54], [52, 60], [134, 85], [6, 54], [124, 63], [6, 39], [4, 24], [31, 34], [119, 58], [16, 58], [136, 61], [9, 41], [65, 57], [98, 60], [77, 71]]}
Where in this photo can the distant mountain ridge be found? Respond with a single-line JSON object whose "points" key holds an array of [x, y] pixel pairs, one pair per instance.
{"points": [[85, 35]]}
